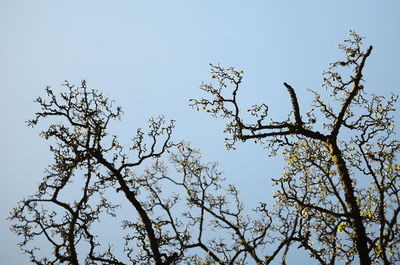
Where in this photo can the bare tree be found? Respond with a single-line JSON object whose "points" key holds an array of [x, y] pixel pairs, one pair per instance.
{"points": [[340, 185], [338, 198], [91, 168]]}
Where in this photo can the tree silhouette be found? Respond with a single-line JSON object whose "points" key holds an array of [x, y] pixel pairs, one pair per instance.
{"points": [[338, 198]]}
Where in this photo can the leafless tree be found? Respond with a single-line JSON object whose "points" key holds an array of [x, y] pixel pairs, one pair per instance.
{"points": [[340, 186], [91, 168]]}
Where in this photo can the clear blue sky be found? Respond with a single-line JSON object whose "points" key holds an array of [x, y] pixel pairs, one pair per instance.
{"points": [[151, 56]]}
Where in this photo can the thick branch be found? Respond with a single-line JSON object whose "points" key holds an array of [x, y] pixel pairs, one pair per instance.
{"points": [[295, 104], [349, 193], [353, 93], [132, 199]]}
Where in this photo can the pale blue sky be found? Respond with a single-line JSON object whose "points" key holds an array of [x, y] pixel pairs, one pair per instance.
{"points": [[151, 56]]}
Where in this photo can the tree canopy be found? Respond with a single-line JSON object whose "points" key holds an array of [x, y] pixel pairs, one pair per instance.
{"points": [[337, 199]]}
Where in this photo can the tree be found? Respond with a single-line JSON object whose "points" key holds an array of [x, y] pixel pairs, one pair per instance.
{"points": [[319, 197], [91, 166], [338, 198]]}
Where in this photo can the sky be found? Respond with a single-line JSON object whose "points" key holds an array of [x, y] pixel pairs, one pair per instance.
{"points": [[151, 57]]}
